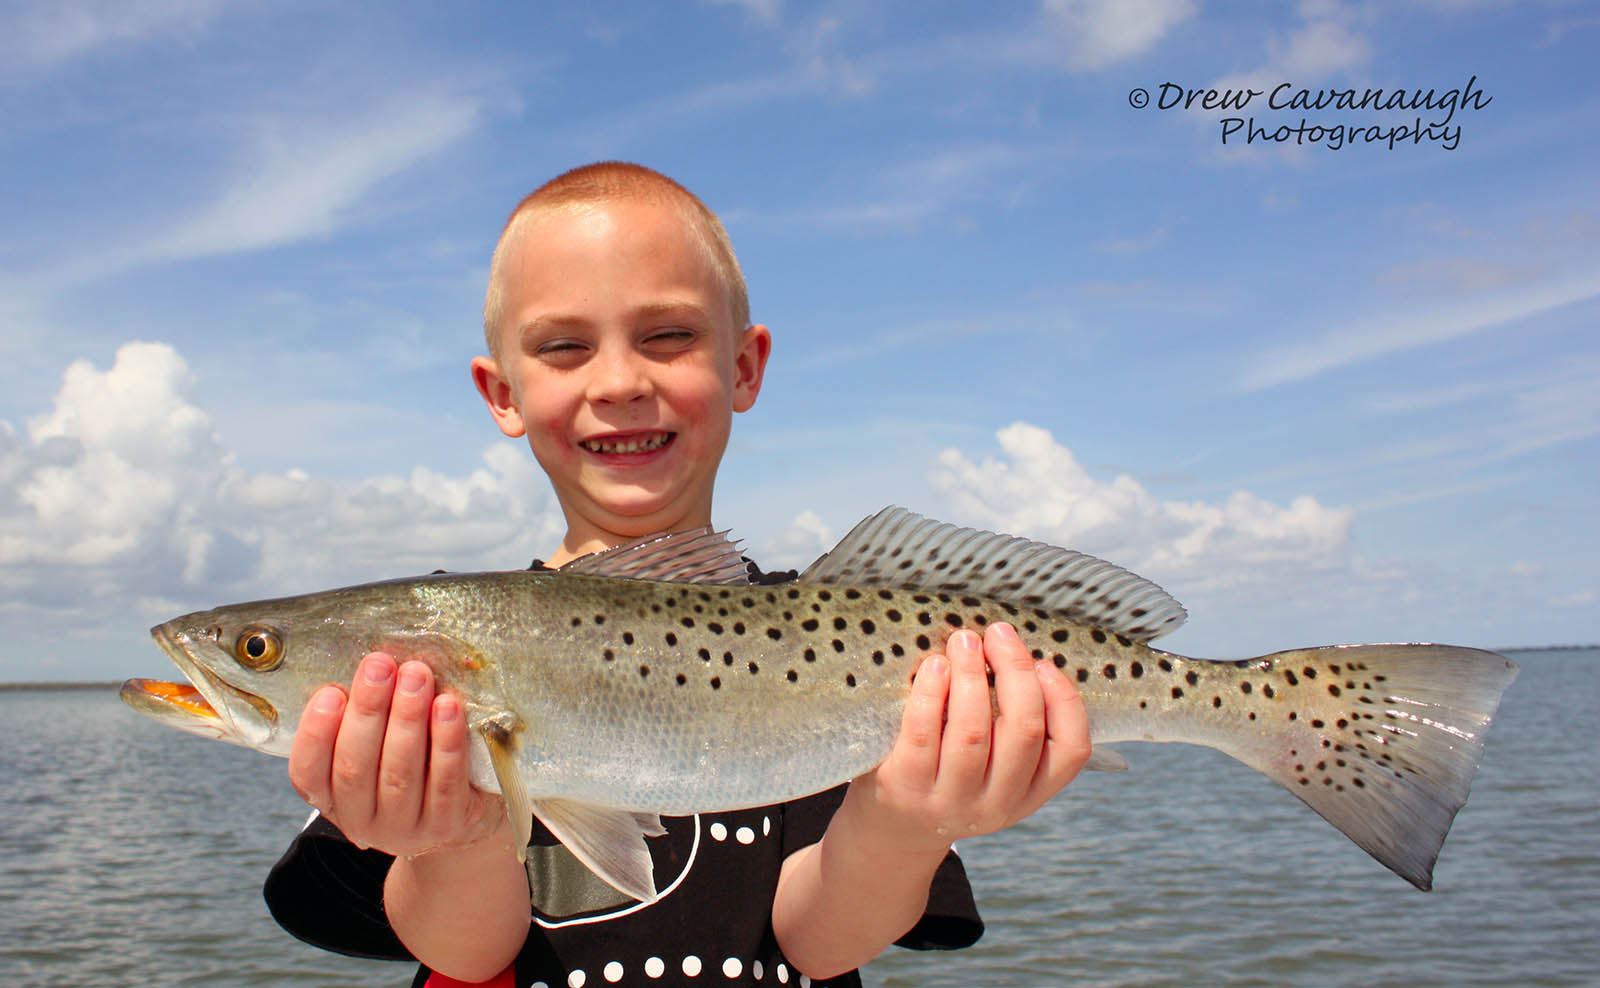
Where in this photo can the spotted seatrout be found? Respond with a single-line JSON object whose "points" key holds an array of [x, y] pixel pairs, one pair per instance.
{"points": [[650, 680]]}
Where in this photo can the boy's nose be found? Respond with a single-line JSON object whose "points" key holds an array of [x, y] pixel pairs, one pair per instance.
{"points": [[618, 378]]}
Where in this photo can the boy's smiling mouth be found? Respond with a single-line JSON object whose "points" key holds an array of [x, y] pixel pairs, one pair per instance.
{"points": [[642, 442]]}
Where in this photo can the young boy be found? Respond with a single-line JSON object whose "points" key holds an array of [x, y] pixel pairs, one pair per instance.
{"points": [[620, 346]]}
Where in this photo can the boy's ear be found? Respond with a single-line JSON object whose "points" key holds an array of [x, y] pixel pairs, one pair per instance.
{"points": [[497, 394], [749, 364]]}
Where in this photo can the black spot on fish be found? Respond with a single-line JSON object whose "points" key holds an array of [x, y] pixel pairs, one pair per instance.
{"points": [[793, 594], [810, 624], [716, 682], [1029, 627], [627, 638], [1164, 664], [1192, 678], [1216, 701], [738, 627], [886, 595], [1267, 691], [811, 655], [924, 618], [599, 619], [1060, 660], [714, 628], [577, 621], [1059, 635], [680, 679], [688, 622], [754, 668], [839, 623], [852, 594], [1293, 715], [1244, 688], [1177, 692], [1098, 635], [921, 598], [608, 655], [774, 634], [705, 655], [867, 627], [944, 598], [1138, 612], [824, 595], [1289, 675], [727, 658], [1136, 670], [1309, 672], [850, 679], [1333, 690], [1083, 675], [1038, 653], [892, 614], [838, 646], [1316, 723], [954, 620], [1110, 671], [791, 675], [923, 643], [672, 639], [644, 671], [970, 601], [1124, 641], [897, 649]]}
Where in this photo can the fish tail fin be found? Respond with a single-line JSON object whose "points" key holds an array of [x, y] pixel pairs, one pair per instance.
{"points": [[1380, 740]]}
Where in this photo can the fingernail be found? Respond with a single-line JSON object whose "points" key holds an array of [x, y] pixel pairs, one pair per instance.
{"points": [[412, 680], [445, 709], [965, 639], [379, 671], [1005, 631], [936, 665], [329, 700]]}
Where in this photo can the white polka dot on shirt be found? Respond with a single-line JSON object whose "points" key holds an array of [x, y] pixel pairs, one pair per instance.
{"points": [[766, 826], [655, 967], [783, 974], [613, 972], [757, 970], [691, 966], [719, 832], [576, 979], [745, 835], [731, 967]]}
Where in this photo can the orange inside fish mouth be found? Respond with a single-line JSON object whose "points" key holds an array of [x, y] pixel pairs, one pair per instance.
{"points": [[181, 695]]}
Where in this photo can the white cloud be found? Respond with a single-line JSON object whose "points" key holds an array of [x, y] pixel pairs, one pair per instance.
{"points": [[303, 179], [1368, 340], [806, 537], [123, 501], [43, 34], [1098, 33], [1042, 491]]}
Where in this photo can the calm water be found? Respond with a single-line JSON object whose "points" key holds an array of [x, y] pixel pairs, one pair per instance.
{"points": [[134, 854]]}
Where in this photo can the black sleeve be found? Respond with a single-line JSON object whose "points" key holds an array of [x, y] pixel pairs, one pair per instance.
{"points": [[951, 920], [329, 893]]}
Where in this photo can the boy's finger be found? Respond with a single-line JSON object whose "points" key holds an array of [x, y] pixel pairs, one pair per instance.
{"points": [[964, 754], [360, 744], [448, 790], [1067, 747], [311, 754], [1019, 727], [916, 751], [404, 758]]}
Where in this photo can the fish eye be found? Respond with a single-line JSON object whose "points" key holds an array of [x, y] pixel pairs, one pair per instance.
{"points": [[258, 648]]}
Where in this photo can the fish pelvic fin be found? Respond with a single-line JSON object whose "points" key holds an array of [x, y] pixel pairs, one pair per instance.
{"points": [[898, 549], [1382, 741], [500, 737], [610, 842]]}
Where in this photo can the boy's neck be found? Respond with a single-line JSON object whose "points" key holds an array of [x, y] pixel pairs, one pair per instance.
{"points": [[584, 537]]}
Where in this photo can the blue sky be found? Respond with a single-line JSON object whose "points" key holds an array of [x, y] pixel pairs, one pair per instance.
{"points": [[1320, 395]]}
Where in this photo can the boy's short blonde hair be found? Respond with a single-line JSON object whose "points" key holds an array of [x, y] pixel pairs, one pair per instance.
{"points": [[612, 181]]}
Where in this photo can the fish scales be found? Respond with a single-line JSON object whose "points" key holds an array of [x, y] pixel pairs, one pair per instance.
{"points": [[600, 696]]}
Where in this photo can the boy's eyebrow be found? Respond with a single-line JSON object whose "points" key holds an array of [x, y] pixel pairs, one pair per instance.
{"points": [[684, 308]]}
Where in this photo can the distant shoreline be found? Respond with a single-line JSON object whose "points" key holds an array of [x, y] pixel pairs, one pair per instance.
{"points": [[117, 684]]}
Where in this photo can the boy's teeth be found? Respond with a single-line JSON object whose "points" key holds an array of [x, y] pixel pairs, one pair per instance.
{"points": [[627, 445]]}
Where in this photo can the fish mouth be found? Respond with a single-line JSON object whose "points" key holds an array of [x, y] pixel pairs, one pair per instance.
{"points": [[207, 705], [628, 443]]}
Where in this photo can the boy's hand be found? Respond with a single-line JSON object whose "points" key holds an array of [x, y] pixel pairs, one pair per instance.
{"points": [[388, 765], [963, 767]]}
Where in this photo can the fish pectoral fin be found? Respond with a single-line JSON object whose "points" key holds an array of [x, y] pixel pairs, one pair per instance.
{"points": [[501, 740], [1103, 759], [610, 842]]}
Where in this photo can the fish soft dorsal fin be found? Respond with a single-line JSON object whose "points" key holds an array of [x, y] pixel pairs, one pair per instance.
{"points": [[898, 549], [698, 555]]}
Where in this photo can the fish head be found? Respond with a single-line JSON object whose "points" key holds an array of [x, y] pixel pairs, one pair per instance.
{"points": [[252, 667]]}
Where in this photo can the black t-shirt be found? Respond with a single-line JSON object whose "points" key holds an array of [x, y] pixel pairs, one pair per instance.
{"points": [[717, 872]]}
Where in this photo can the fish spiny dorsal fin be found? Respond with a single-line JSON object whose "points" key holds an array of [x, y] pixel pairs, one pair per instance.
{"points": [[901, 550], [699, 555]]}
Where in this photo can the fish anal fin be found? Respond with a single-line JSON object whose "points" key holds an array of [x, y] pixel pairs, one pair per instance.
{"points": [[610, 842], [499, 735]]}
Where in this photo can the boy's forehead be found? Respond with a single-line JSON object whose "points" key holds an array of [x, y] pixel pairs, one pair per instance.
{"points": [[655, 237]]}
